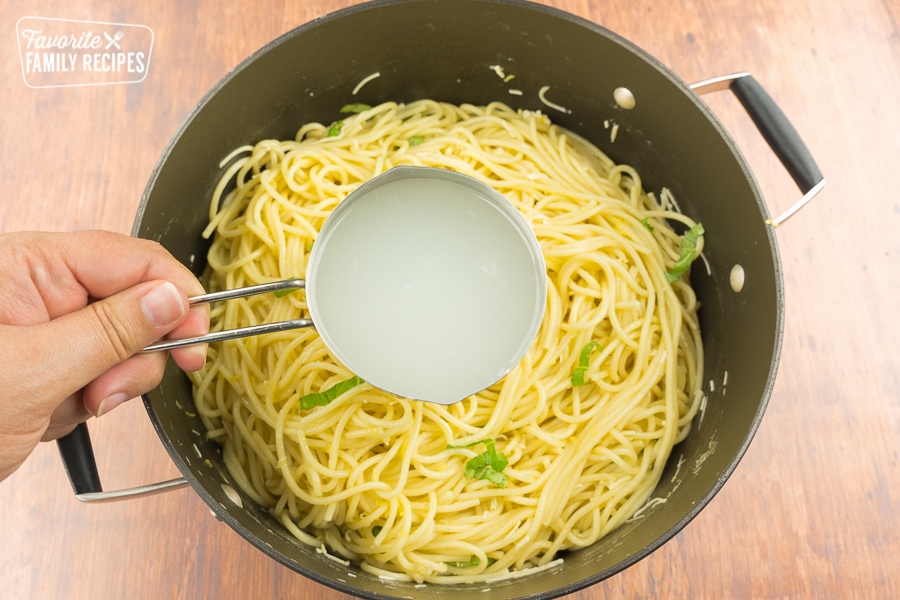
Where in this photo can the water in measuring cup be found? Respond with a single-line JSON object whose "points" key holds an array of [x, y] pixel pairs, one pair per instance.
{"points": [[427, 289]]}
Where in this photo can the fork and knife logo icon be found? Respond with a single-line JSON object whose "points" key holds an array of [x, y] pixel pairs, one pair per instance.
{"points": [[114, 41]]}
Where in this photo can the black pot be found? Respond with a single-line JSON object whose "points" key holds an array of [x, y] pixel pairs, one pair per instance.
{"points": [[445, 50]]}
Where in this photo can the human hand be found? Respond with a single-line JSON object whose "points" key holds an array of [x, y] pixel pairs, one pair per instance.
{"points": [[75, 310]]}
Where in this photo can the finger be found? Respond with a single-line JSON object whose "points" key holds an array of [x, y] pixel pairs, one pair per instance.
{"points": [[56, 432], [196, 323], [98, 337], [69, 269], [143, 259], [124, 381], [87, 255], [66, 416]]}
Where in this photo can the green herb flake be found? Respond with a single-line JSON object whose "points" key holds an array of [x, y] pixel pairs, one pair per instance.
{"points": [[688, 253], [488, 465], [355, 108], [584, 361], [310, 401], [376, 530], [474, 561], [416, 140], [283, 293], [647, 224], [335, 129]]}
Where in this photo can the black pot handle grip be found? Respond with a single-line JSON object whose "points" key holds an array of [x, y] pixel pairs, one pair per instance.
{"points": [[77, 455], [778, 132]]}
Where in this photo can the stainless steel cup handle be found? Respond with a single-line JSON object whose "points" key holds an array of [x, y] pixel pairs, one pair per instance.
{"points": [[276, 287], [778, 132], [229, 334]]}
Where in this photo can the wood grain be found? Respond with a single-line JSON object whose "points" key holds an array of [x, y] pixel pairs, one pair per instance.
{"points": [[813, 509]]}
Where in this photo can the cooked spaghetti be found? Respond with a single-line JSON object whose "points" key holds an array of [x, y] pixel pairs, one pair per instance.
{"points": [[561, 451]]}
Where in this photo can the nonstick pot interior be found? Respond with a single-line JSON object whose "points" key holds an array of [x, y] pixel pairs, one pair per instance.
{"points": [[448, 50]]}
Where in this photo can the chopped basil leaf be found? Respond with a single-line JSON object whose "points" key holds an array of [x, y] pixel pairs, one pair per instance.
{"points": [[283, 293], [486, 472], [335, 129], [688, 247], [416, 140], [376, 530], [584, 361], [355, 108], [647, 224], [488, 465], [472, 562], [310, 401]]}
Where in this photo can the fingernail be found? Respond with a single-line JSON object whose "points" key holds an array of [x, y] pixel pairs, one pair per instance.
{"points": [[193, 355], [163, 305], [110, 402]]}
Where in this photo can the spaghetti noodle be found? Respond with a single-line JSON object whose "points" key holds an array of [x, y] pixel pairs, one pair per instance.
{"points": [[586, 421]]}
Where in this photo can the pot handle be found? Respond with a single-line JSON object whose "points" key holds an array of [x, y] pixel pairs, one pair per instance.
{"points": [[77, 455], [778, 132]]}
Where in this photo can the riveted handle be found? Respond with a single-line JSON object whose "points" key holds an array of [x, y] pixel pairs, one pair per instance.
{"points": [[778, 132]]}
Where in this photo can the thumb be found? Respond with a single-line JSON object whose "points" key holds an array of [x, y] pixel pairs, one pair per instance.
{"points": [[107, 332]]}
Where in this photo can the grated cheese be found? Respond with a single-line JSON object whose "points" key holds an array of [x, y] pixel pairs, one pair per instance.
{"points": [[703, 401], [542, 94], [365, 80], [524, 572]]}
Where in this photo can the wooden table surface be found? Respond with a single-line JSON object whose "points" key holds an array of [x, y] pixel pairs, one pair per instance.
{"points": [[813, 509]]}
